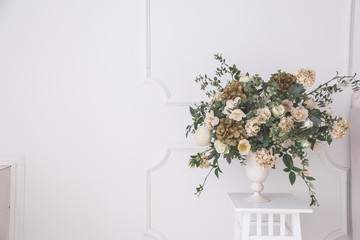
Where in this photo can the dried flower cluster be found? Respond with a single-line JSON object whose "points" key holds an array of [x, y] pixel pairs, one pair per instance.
{"points": [[340, 129], [306, 77], [265, 159]]}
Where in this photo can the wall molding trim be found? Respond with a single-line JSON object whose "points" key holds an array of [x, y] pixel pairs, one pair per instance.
{"points": [[169, 101], [17, 195], [168, 150], [343, 173]]}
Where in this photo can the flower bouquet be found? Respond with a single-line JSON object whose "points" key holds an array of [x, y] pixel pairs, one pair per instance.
{"points": [[272, 119]]}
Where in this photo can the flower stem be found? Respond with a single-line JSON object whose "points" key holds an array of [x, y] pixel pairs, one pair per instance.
{"points": [[198, 193]]}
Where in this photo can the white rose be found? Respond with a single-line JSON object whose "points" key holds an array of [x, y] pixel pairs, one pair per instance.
{"points": [[203, 136], [215, 121], [308, 124], [278, 111], [221, 147], [328, 111], [237, 99], [230, 104], [287, 143], [208, 119], [309, 104], [305, 143], [237, 115], [299, 114]]}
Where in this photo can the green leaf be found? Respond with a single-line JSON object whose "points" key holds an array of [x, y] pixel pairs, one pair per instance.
{"points": [[260, 137], [248, 86], [297, 89], [316, 121], [295, 169], [287, 159], [312, 141], [292, 178], [329, 140], [218, 113], [310, 178], [228, 158], [217, 173], [316, 113], [287, 169], [266, 138], [192, 111], [323, 128]]}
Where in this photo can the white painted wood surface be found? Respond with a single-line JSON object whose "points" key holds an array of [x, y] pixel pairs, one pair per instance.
{"points": [[280, 202], [282, 206]]}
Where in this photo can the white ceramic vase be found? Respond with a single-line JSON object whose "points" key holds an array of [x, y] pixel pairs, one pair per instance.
{"points": [[257, 175]]}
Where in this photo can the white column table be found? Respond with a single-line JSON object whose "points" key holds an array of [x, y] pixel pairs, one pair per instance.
{"points": [[278, 219]]}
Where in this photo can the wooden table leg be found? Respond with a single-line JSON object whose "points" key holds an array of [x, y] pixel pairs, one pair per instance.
{"points": [[296, 226], [245, 228], [237, 226]]}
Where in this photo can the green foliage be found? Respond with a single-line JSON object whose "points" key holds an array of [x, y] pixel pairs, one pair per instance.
{"points": [[292, 177], [323, 93]]}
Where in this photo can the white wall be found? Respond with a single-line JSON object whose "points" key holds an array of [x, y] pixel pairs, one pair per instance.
{"points": [[74, 102], [4, 201]]}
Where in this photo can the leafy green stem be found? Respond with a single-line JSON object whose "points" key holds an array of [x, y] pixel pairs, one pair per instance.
{"points": [[201, 187]]}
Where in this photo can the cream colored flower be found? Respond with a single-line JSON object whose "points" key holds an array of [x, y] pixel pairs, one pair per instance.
{"points": [[299, 114], [217, 97], [215, 121], [306, 77], [305, 143], [237, 99], [265, 159], [237, 115], [286, 124], [244, 147], [309, 104], [287, 143], [263, 114], [252, 127], [307, 124], [317, 146], [203, 136], [205, 163], [230, 105], [278, 111], [209, 117], [328, 111], [340, 129], [305, 172], [287, 104], [244, 78], [221, 147]]}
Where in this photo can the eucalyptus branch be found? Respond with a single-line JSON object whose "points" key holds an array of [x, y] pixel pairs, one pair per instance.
{"points": [[324, 91]]}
